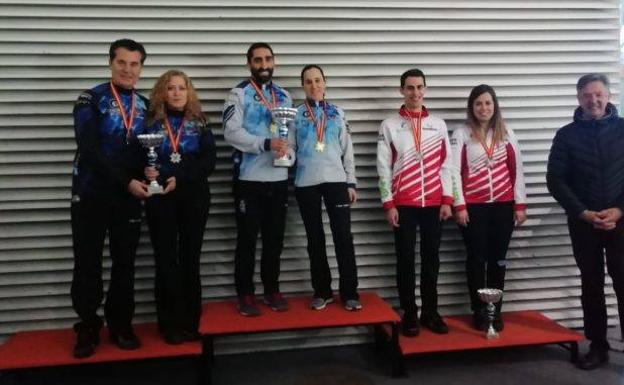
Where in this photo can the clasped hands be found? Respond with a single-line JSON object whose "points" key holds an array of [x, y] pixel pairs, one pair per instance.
{"points": [[602, 220]]}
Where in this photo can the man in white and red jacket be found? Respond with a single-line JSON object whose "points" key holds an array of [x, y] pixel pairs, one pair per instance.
{"points": [[414, 167]]}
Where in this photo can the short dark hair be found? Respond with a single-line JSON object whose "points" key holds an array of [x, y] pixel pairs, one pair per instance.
{"points": [[414, 72], [128, 44], [255, 46], [592, 77], [309, 67]]}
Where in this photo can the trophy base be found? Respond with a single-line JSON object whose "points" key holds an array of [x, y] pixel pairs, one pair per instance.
{"points": [[154, 188], [284, 161]]}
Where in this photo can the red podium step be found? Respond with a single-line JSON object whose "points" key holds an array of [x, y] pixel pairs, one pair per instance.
{"points": [[522, 328], [44, 348], [222, 318]]}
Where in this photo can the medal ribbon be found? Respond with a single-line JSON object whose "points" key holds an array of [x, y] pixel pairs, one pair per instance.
{"points": [[417, 130], [174, 141], [489, 151], [320, 124], [268, 105], [126, 120]]}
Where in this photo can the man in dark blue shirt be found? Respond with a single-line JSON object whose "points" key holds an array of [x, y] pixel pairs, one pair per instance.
{"points": [[106, 198], [586, 176]]}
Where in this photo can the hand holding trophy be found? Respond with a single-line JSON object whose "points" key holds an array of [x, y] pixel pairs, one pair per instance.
{"points": [[282, 116], [151, 141]]}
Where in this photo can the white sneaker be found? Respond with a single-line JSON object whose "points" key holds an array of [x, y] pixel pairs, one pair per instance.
{"points": [[319, 303], [353, 305]]}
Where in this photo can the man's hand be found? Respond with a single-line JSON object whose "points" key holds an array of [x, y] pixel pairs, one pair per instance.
{"points": [[445, 212], [352, 195], [519, 217], [609, 218], [392, 216], [461, 217], [138, 189], [279, 147], [596, 221], [171, 185], [151, 173]]}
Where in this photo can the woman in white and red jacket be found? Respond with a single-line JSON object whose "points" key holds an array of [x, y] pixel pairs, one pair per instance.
{"points": [[489, 195]]}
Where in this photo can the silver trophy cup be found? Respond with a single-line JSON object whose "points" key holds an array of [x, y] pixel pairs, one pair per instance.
{"points": [[151, 141], [490, 296], [282, 116]]}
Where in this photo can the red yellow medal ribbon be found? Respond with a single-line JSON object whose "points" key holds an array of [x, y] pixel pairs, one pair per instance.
{"points": [[489, 151], [175, 141], [319, 124], [126, 120], [417, 131], [264, 101]]}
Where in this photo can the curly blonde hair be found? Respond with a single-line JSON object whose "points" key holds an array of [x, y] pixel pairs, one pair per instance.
{"points": [[158, 99]]}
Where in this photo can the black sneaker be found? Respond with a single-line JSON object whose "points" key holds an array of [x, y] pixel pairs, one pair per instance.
{"points": [[125, 340], [498, 323], [247, 306], [190, 335], [433, 322], [173, 337], [410, 327], [480, 320], [594, 359], [86, 341], [276, 302]]}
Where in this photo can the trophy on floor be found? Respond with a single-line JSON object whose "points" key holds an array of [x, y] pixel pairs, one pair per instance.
{"points": [[490, 296], [151, 141], [282, 116]]}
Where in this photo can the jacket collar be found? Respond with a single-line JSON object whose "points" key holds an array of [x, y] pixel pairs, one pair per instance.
{"points": [[611, 114]]}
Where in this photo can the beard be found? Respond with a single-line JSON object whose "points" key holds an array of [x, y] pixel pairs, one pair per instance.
{"points": [[262, 75]]}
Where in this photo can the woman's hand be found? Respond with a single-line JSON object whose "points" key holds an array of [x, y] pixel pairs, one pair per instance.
{"points": [[461, 217], [171, 185], [519, 217], [352, 195], [151, 173], [445, 212], [392, 216]]}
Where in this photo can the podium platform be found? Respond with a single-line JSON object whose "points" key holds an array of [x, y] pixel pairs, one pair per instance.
{"points": [[45, 348], [222, 319], [522, 328]]}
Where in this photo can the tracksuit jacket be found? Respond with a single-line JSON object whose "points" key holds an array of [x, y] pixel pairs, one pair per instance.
{"points": [[246, 127], [408, 177], [335, 163], [477, 180]]}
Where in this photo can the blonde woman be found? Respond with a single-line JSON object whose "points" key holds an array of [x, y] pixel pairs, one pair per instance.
{"points": [[177, 218]]}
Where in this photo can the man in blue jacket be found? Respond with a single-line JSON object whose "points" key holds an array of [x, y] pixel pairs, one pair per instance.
{"points": [[586, 176], [106, 199]]}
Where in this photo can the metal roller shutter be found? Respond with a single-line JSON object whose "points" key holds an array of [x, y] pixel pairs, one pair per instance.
{"points": [[532, 52]]}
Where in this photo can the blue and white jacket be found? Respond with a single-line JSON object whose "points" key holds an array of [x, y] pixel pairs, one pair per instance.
{"points": [[335, 163], [196, 147], [105, 160], [246, 127]]}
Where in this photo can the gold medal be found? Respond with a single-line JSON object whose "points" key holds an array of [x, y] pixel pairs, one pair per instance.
{"points": [[320, 126], [273, 128], [175, 157]]}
